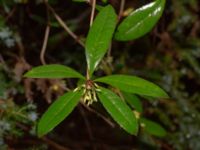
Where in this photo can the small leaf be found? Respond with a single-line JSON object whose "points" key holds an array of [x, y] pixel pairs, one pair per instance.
{"points": [[133, 84], [58, 111], [53, 71], [152, 127], [140, 22], [133, 101], [119, 111], [100, 36]]}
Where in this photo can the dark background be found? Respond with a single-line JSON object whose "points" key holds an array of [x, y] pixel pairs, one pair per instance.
{"points": [[168, 56]]}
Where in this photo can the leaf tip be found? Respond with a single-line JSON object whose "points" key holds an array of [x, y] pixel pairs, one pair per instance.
{"points": [[165, 95], [26, 75]]}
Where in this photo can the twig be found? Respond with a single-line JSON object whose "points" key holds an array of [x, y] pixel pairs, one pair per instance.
{"points": [[45, 139], [67, 29], [44, 46], [121, 10], [10, 14], [46, 36], [54, 144], [99, 115], [4, 65], [93, 11]]}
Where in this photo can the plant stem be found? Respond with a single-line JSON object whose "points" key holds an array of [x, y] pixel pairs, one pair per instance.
{"points": [[93, 11], [121, 10], [46, 37], [44, 46], [99, 115]]}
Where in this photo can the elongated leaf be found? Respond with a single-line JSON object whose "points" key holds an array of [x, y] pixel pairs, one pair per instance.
{"points": [[133, 101], [133, 84], [58, 111], [140, 22], [53, 71], [100, 36], [79, 0], [152, 127], [119, 111]]}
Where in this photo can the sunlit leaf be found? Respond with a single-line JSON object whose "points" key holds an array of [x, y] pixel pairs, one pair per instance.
{"points": [[58, 111], [100, 36], [140, 21], [53, 71], [152, 127], [133, 84], [119, 111]]}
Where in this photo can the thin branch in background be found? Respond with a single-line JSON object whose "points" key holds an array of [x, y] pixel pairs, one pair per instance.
{"points": [[44, 46], [45, 139], [4, 65], [121, 10], [67, 29], [99, 115], [46, 36], [87, 126], [93, 11], [10, 14], [54, 144]]}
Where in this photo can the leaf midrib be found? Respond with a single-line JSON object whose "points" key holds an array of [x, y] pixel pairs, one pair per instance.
{"points": [[61, 108], [121, 82], [52, 72], [121, 112], [99, 35]]}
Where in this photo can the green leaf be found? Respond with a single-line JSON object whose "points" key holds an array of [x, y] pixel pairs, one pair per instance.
{"points": [[119, 111], [100, 36], [58, 111], [133, 84], [152, 127], [79, 0], [53, 71], [140, 22], [133, 101]]}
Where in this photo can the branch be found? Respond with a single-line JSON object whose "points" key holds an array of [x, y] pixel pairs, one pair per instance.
{"points": [[121, 10], [93, 11], [44, 46], [67, 29], [99, 115], [54, 144]]}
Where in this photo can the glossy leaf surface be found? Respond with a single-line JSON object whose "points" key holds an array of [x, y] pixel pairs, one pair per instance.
{"points": [[100, 36], [58, 111], [133, 84], [53, 71], [133, 101], [152, 127], [140, 22], [119, 111]]}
